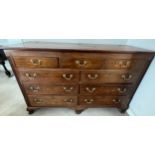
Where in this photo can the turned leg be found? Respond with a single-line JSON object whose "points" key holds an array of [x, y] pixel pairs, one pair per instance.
{"points": [[78, 111], [7, 72]]}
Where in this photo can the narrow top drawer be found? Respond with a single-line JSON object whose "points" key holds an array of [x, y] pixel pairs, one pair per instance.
{"points": [[102, 63], [81, 63], [36, 62]]}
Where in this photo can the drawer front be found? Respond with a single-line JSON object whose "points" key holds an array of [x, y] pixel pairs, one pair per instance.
{"points": [[55, 76], [105, 90], [81, 63], [112, 101], [129, 64], [112, 76], [36, 62], [96, 63], [102, 61], [42, 100], [47, 88]]}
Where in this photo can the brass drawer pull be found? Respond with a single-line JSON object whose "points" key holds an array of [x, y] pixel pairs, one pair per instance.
{"points": [[88, 101], [116, 101], [67, 77], [68, 89], [68, 100], [121, 90], [31, 76], [90, 90], [123, 63], [126, 77], [93, 77], [36, 61], [38, 101], [81, 63], [34, 88]]}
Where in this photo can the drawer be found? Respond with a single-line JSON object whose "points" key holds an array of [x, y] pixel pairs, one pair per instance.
{"points": [[112, 101], [81, 63], [109, 76], [102, 61], [50, 100], [49, 88], [106, 90], [129, 64], [50, 75], [36, 62]]}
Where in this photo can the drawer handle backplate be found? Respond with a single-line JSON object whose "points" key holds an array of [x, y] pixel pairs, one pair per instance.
{"points": [[38, 101], [36, 61], [126, 77], [93, 77], [116, 101], [68, 100], [31, 76], [81, 63], [67, 76], [90, 90], [34, 88], [123, 63], [121, 90], [88, 101], [68, 89]]}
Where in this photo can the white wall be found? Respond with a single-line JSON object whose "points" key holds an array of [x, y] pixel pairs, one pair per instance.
{"points": [[87, 41], [144, 43], [10, 41], [143, 102], [3, 42]]}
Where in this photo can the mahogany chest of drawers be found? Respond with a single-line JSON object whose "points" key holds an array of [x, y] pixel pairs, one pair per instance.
{"points": [[78, 76]]}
